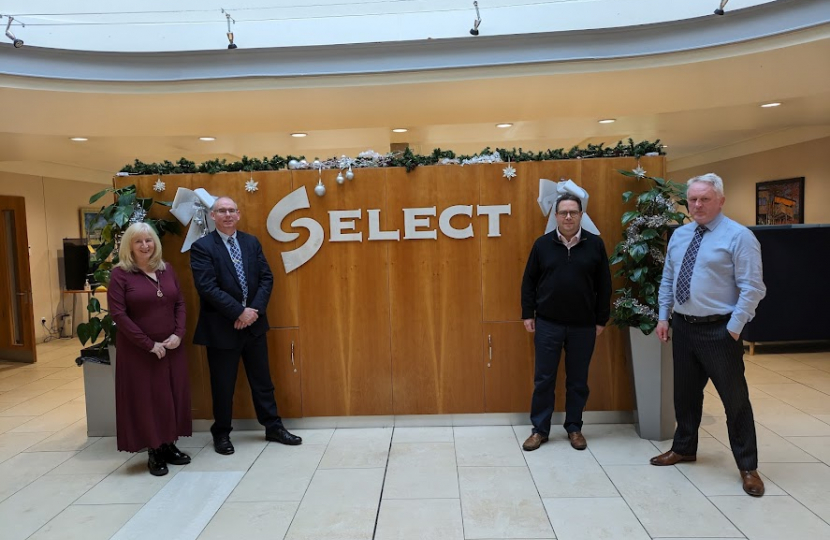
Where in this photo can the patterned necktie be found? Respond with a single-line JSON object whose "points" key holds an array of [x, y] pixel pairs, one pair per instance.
{"points": [[236, 256], [684, 280]]}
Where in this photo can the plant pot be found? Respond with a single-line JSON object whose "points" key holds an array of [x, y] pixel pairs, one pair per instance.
{"points": [[652, 371], [99, 389]]}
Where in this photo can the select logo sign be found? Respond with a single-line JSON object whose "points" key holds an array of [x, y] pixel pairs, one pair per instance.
{"points": [[418, 225]]}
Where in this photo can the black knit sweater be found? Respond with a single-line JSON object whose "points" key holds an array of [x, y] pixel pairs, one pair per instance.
{"points": [[567, 287]]}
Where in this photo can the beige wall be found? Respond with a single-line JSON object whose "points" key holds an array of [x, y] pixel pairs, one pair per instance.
{"points": [[52, 207], [810, 160]]}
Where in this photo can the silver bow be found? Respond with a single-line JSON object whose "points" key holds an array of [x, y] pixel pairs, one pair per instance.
{"points": [[193, 207], [550, 191]]}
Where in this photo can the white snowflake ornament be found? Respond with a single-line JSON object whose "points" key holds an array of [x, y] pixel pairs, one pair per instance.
{"points": [[251, 186], [159, 186], [509, 172], [639, 171]]}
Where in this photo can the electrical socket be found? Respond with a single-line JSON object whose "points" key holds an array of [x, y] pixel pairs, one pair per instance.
{"points": [[43, 320]]}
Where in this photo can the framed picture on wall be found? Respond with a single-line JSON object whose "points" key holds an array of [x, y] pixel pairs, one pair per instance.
{"points": [[92, 224], [779, 202]]}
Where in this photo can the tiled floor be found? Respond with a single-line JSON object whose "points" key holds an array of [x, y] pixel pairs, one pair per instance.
{"points": [[439, 483]]}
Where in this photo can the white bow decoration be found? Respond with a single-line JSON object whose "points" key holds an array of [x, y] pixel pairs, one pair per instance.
{"points": [[193, 207], [550, 191]]}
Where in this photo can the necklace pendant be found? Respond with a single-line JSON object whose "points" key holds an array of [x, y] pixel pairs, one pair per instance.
{"points": [[159, 294]]}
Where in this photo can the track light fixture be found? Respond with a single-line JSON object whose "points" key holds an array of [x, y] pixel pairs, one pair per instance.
{"points": [[17, 42], [723, 3], [477, 22], [231, 44]]}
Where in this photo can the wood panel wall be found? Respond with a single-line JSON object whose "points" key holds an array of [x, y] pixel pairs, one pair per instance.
{"points": [[414, 326]]}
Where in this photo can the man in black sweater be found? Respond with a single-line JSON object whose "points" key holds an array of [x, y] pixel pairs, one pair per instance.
{"points": [[566, 295]]}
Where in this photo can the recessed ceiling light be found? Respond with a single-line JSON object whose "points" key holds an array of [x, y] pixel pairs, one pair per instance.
{"points": [[504, 125], [79, 139], [399, 130], [773, 104], [607, 121], [299, 135], [207, 139]]}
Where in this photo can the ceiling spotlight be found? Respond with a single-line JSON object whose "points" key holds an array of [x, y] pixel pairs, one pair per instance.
{"points": [[299, 135], [477, 22], [207, 139], [17, 42], [770, 105], [78, 139], [231, 44], [607, 121], [399, 130], [723, 3], [504, 125]]}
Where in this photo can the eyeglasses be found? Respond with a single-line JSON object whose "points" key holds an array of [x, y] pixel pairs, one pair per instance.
{"points": [[568, 213], [230, 211]]}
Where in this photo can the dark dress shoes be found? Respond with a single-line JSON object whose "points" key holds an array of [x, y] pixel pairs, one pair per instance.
{"points": [[577, 440], [173, 455], [671, 458], [534, 442], [156, 463], [222, 444], [281, 435], [753, 485]]}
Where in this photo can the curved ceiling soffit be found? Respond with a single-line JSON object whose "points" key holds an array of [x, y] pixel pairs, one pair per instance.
{"points": [[750, 30]]}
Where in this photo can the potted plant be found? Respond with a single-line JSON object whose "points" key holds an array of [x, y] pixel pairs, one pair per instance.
{"points": [[640, 257], [127, 209]]}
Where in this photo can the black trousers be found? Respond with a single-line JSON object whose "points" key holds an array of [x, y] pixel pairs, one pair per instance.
{"points": [[702, 352], [578, 342], [224, 366]]}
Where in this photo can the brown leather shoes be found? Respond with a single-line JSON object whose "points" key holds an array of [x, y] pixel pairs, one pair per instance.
{"points": [[533, 442], [753, 484], [577, 440], [670, 458]]}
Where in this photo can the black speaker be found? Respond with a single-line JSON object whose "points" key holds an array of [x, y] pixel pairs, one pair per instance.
{"points": [[75, 263]]}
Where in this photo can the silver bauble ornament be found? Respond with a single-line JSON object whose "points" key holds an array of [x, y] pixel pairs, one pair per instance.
{"points": [[303, 163], [320, 189], [349, 174], [293, 164], [316, 164], [340, 178]]}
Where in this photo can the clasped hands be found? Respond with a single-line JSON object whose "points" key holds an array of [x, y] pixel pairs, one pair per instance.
{"points": [[160, 348], [248, 317]]}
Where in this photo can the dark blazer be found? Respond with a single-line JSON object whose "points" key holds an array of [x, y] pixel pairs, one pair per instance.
{"points": [[220, 293]]}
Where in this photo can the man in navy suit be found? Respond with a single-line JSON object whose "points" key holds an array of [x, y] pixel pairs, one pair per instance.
{"points": [[234, 283]]}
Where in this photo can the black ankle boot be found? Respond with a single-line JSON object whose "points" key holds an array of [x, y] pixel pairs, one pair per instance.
{"points": [[173, 455], [155, 462]]}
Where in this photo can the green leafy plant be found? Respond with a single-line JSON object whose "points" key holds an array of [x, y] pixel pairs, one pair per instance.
{"points": [[407, 159], [642, 251], [127, 209]]}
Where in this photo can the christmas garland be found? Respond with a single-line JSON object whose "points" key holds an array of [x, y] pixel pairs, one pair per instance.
{"points": [[407, 159]]}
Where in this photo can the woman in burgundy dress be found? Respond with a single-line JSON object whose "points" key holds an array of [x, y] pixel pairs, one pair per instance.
{"points": [[152, 388]]}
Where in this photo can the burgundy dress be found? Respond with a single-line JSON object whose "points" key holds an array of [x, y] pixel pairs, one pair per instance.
{"points": [[152, 395]]}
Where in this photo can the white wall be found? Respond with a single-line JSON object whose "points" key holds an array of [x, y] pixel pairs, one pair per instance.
{"points": [[189, 25], [810, 160], [52, 214]]}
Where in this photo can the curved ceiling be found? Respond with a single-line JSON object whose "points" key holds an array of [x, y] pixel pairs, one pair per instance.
{"points": [[704, 104]]}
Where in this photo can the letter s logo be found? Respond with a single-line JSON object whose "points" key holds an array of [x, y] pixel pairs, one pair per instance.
{"points": [[296, 200]]}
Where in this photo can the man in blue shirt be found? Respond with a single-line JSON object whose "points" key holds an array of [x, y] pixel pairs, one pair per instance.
{"points": [[712, 283]]}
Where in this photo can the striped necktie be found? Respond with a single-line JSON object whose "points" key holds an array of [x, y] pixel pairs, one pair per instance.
{"points": [[236, 257], [684, 280]]}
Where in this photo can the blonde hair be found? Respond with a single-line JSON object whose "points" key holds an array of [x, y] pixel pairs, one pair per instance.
{"points": [[125, 252]]}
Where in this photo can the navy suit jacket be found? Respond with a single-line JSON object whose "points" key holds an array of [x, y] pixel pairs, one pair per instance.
{"points": [[220, 294]]}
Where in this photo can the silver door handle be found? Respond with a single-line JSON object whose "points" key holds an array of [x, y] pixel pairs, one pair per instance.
{"points": [[292, 358], [490, 349]]}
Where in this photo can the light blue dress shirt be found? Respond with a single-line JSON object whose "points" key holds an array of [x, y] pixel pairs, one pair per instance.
{"points": [[727, 276]]}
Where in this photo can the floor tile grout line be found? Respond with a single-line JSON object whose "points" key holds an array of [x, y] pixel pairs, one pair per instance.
{"points": [[383, 483]]}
